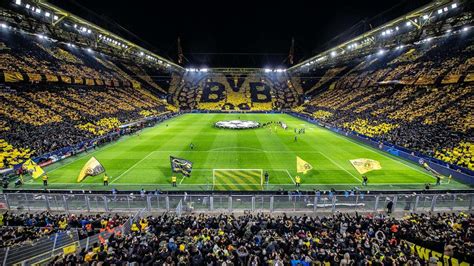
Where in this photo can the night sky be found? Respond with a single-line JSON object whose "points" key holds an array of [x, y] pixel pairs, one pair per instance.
{"points": [[239, 33]]}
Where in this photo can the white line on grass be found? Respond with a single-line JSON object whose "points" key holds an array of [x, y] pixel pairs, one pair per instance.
{"points": [[292, 180], [181, 181], [358, 179], [133, 166]]}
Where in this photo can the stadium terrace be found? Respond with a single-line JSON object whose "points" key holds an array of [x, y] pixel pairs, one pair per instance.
{"points": [[114, 153]]}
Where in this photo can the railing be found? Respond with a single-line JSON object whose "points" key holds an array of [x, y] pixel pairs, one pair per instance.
{"points": [[185, 203]]}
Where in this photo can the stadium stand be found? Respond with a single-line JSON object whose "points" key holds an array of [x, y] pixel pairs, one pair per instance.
{"points": [[260, 239], [419, 97], [54, 95]]}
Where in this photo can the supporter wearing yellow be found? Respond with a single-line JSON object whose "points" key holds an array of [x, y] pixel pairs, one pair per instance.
{"points": [[45, 180], [297, 180], [106, 179], [173, 181]]}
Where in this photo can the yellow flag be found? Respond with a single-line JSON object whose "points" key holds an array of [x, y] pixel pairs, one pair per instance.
{"points": [[35, 170], [302, 166], [91, 168], [69, 249], [365, 165]]}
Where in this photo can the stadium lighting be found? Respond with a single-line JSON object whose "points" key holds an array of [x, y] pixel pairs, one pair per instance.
{"points": [[465, 29], [397, 28], [89, 50], [449, 30], [55, 17], [88, 31], [3, 25], [408, 23], [440, 11], [38, 11], [454, 5], [141, 53], [203, 70], [41, 36], [445, 9], [18, 2], [381, 52], [279, 70], [267, 70], [47, 14], [333, 53], [27, 6], [425, 17]]}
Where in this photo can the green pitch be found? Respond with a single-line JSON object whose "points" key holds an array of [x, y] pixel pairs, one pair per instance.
{"points": [[142, 161]]}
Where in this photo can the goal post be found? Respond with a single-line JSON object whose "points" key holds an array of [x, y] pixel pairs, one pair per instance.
{"points": [[237, 179]]}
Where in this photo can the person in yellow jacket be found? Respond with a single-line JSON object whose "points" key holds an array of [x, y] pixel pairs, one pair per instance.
{"points": [[106, 179], [297, 181], [45, 180], [135, 228], [173, 181]]}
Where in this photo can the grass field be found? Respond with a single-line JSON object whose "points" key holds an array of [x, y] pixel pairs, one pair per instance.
{"points": [[142, 161]]}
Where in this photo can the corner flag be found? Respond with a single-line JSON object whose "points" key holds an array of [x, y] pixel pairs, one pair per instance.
{"points": [[35, 170], [302, 166], [365, 165], [91, 168]]}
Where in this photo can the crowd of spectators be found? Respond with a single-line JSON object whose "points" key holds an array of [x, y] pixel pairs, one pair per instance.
{"points": [[418, 97], [202, 239]]}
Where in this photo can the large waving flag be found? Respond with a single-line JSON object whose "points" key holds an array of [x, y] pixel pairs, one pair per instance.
{"points": [[91, 168], [365, 165], [179, 165], [35, 170], [302, 166]]}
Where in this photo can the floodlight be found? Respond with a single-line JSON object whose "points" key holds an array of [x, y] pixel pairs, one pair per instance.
{"points": [[18, 2], [333, 53], [27, 6], [267, 70], [454, 5], [408, 23], [38, 11], [440, 11], [89, 50], [465, 29], [426, 17], [3, 25], [381, 52], [47, 14], [445, 9]]}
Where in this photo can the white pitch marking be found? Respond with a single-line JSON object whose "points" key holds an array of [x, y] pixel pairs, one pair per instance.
{"points": [[358, 179], [133, 166]]}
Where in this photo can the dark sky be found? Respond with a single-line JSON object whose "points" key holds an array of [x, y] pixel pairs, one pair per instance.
{"points": [[239, 33]]}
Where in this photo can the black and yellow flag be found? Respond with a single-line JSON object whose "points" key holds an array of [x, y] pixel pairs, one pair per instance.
{"points": [[91, 168], [179, 165], [302, 166], [35, 170], [365, 165]]}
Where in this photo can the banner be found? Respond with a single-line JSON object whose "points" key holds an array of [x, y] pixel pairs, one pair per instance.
{"points": [[34, 77], [426, 254], [51, 78], [13, 76], [365, 165], [179, 165], [34, 169], [302, 166], [91, 168]]}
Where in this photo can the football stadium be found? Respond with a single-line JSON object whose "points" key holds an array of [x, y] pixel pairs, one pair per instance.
{"points": [[259, 134]]}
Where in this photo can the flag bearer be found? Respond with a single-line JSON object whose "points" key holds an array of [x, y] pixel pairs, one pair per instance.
{"points": [[173, 181]]}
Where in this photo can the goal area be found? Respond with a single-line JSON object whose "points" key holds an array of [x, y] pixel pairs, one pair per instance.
{"points": [[237, 179]]}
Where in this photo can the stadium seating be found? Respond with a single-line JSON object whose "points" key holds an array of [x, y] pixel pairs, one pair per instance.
{"points": [[261, 239], [419, 97]]}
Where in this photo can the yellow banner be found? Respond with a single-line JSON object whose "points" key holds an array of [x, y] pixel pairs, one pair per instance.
{"points": [[34, 77], [78, 80], [90, 82], [69, 249], [13, 76], [66, 79], [51, 78], [302, 166], [365, 165], [35, 170], [426, 254], [91, 168]]}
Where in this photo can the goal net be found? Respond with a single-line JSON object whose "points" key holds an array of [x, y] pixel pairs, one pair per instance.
{"points": [[237, 179]]}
